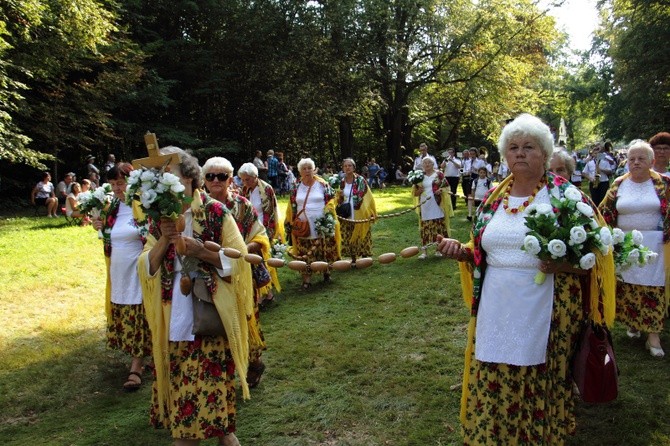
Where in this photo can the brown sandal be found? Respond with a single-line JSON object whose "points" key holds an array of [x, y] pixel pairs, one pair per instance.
{"points": [[254, 374], [133, 382]]}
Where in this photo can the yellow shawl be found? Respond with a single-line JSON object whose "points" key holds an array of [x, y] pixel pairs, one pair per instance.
{"points": [[366, 210], [233, 301]]}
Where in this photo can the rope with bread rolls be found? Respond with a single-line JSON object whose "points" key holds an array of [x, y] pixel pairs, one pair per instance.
{"points": [[318, 266]]}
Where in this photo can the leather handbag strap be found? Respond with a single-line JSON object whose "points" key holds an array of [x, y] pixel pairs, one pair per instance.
{"points": [[304, 203]]}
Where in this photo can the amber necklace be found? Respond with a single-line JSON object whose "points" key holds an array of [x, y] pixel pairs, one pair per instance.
{"points": [[525, 204]]}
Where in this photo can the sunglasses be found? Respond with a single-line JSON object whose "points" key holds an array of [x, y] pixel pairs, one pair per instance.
{"points": [[219, 176]]}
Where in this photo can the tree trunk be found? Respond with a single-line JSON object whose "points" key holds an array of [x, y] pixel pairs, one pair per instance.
{"points": [[346, 136], [395, 124]]}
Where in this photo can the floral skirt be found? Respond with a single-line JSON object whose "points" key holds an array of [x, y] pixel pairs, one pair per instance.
{"points": [[641, 307], [430, 228], [358, 248], [317, 249], [202, 390], [129, 330], [531, 405]]}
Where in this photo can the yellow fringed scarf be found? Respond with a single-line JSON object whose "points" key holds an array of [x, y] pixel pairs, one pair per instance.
{"points": [[366, 210], [233, 301]]}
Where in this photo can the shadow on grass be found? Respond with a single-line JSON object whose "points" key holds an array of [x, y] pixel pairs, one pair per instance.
{"points": [[68, 392]]}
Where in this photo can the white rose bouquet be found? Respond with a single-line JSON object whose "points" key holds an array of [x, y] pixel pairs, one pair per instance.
{"points": [[279, 249], [565, 231], [95, 202], [629, 250], [334, 181], [160, 193], [325, 225], [415, 176]]}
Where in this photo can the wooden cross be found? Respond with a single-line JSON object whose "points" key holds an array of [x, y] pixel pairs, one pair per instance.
{"points": [[155, 158]]}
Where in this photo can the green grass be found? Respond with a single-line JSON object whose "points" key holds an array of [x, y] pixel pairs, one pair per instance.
{"points": [[368, 359]]}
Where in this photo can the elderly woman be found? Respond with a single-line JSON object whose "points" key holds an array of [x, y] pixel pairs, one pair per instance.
{"points": [[44, 194], [638, 200], [435, 209], [355, 194], [262, 197], [521, 335], [660, 142], [123, 239], [218, 174], [562, 163], [311, 199], [194, 390]]}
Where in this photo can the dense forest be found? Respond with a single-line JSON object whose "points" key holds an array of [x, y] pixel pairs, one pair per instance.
{"points": [[329, 78]]}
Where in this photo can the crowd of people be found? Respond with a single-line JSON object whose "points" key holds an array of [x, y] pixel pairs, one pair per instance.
{"points": [[62, 198], [521, 334]]}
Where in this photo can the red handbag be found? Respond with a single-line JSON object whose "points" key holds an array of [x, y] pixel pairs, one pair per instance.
{"points": [[594, 367]]}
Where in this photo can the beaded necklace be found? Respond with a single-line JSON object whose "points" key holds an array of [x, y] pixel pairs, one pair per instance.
{"points": [[525, 204]]}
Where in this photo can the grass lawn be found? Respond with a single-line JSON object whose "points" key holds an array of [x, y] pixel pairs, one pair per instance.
{"points": [[373, 358]]}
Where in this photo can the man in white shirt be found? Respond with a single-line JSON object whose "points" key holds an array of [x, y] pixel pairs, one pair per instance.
{"points": [[423, 153], [598, 170], [452, 171], [63, 188], [503, 171]]}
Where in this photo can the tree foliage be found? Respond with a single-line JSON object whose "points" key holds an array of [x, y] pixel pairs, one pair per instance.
{"points": [[322, 78], [634, 68]]}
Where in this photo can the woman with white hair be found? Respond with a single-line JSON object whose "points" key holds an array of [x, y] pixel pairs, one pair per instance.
{"points": [[311, 199], [562, 163], [638, 200], [262, 196], [218, 174], [356, 196], [521, 337], [194, 391]]}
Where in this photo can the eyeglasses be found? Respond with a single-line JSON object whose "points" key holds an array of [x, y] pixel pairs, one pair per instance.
{"points": [[219, 176]]}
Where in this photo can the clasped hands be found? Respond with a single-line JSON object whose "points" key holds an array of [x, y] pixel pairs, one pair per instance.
{"points": [[188, 246]]}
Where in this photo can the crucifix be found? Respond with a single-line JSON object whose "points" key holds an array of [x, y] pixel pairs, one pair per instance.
{"points": [[155, 159]]}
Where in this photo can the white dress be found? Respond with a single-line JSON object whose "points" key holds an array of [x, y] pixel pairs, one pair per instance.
{"points": [[430, 210], [126, 249], [315, 204]]}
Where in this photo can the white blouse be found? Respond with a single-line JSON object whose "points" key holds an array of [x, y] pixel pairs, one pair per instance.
{"points": [[255, 199], [347, 194], [126, 249], [315, 204], [430, 210]]}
